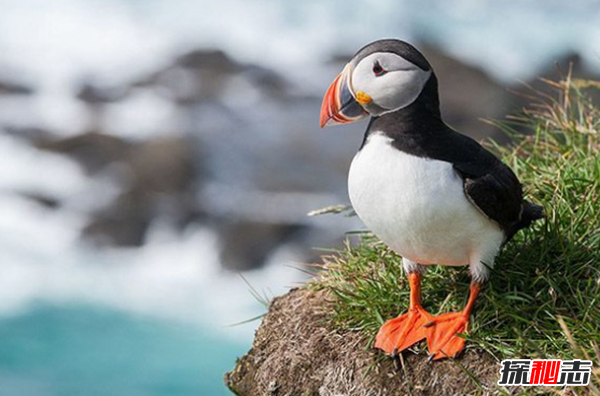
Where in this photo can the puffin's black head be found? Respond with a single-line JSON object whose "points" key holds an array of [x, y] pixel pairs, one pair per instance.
{"points": [[383, 77]]}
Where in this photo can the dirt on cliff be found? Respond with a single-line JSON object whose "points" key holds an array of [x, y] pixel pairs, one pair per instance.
{"points": [[297, 353]]}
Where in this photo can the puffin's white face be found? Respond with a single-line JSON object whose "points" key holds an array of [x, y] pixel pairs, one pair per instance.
{"points": [[384, 82], [381, 82]]}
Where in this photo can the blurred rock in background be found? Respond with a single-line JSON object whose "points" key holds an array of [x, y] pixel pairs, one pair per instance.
{"points": [[244, 154]]}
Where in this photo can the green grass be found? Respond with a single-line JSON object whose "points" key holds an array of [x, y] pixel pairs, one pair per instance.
{"points": [[543, 297]]}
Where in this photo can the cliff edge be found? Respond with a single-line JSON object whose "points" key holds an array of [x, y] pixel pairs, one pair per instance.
{"points": [[296, 352]]}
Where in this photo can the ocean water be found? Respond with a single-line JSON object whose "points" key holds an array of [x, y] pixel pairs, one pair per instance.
{"points": [[155, 320], [76, 350]]}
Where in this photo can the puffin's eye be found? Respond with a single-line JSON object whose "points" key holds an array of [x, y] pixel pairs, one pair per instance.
{"points": [[378, 70]]}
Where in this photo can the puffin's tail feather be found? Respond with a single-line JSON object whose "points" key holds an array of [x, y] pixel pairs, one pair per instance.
{"points": [[531, 213]]}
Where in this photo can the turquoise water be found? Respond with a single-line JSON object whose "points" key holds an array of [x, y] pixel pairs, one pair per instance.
{"points": [[88, 351]]}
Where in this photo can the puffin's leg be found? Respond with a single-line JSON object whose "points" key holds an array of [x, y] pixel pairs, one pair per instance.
{"points": [[442, 338], [400, 333]]}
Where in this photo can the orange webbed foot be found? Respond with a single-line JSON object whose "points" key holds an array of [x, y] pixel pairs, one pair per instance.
{"points": [[402, 332], [442, 335]]}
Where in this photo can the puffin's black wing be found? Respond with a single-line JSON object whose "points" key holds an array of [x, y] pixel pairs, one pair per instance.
{"points": [[491, 186], [488, 183]]}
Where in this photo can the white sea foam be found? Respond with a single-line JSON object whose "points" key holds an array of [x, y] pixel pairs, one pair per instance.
{"points": [[64, 40], [142, 115], [174, 276]]}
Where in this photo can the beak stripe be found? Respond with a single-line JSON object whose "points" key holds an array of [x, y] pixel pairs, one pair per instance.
{"points": [[339, 106]]}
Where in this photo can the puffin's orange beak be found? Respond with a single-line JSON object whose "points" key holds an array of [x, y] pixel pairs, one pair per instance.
{"points": [[339, 106]]}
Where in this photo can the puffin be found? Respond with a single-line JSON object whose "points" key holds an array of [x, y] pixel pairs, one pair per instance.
{"points": [[432, 195]]}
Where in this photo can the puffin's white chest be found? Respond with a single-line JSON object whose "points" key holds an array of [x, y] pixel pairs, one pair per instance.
{"points": [[417, 206]]}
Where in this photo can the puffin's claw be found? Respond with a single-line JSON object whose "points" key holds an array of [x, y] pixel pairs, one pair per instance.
{"points": [[402, 332], [442, 335]]}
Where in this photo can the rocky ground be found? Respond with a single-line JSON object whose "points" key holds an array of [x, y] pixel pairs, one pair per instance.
{"points": [[295, 352]]}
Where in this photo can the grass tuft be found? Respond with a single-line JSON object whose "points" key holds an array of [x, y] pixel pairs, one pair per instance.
{"points": [[543, 297]]}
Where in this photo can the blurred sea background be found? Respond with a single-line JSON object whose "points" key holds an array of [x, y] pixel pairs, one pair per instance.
{"points": [[151, 151]]}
